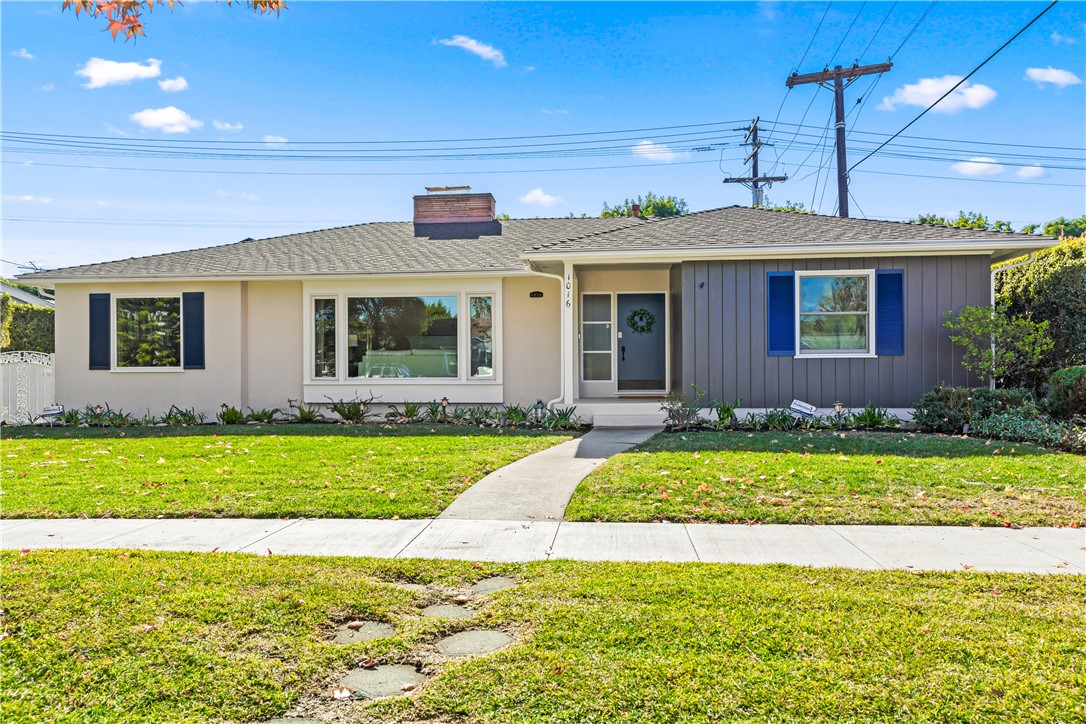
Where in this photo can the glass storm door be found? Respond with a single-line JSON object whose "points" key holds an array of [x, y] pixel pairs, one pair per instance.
{"points": [[641, 340]]}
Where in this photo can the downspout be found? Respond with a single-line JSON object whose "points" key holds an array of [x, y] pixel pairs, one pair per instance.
{"points": [[563, 342], [1029, 259]]}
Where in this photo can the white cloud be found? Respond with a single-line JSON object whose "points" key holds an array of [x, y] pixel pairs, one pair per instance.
{"points": [[978, 166], [274, 141], [1059, 78], [170, 119], [475, 47], [554, 111], [536, 196], [927, 90], [224, 126], [1034, 171], [100, 73], [172, 85], [22, 53], [48, 87], [655, 151], [241, 195], [1058, 39], [28, 199]]}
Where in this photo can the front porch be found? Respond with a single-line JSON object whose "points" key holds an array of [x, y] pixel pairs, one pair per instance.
{"points": [[621, 412]]}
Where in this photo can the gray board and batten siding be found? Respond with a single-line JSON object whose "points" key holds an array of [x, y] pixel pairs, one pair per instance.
{"points": [[722, 347]]}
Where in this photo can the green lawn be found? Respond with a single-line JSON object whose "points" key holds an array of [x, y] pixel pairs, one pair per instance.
{"points": [[115, 636], [848, 478], [315, 471]]}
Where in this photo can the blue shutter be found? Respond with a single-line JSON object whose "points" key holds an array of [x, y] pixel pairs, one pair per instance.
{"points": [[99, 331], [889, 312], [192, 330], [781, 313]]}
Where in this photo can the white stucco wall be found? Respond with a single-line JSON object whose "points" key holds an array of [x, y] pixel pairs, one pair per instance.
{"points": [[273, 345], [136, 391], [532, 339]]}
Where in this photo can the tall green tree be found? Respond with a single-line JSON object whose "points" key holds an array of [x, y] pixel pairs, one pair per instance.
{"points": [[1069, 228], [965, 220], [651, 205]]}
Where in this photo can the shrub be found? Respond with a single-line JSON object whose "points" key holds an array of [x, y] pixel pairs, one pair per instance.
{"points": [[1052, 288], [682, 415], [5, 320], [231, 415], [31, 328], [873, 417], [725, 413], [1022, 424], [1020, 343], [513, 415], [562, 418], [949, 409], [303, 412], [1067, 393], [267, 415], [181, 417], [351, 411]]}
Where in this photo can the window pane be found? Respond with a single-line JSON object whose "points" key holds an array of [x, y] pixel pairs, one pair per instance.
{"points": [[833, 333], [149, 332], [482, 336], [596, 308], [324, 337], [833, 294], [402, 336], [597, 366], [596, 337]]}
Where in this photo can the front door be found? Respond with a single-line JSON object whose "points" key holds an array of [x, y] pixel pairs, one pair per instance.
{"points": [[641, 342]]}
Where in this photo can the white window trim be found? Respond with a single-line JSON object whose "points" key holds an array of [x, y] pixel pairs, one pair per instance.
{"points": [[851, 354], [113, 367], [341, 292]]}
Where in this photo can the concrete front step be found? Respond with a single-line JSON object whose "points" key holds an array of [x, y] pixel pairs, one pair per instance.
{"points": [[627, 419]]}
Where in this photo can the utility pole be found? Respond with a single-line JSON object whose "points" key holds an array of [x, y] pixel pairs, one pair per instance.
{"points": [[838, 76], [754, 181]]}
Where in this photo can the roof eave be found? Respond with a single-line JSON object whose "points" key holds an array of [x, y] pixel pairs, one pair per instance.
{"points": [[1001, 250], [37, 277]]}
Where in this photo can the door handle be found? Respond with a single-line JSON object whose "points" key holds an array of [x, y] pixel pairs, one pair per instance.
{"points": [[623, 353]]}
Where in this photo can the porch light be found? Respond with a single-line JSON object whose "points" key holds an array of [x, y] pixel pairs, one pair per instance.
{"points": [[97, 409], [838, 407]]}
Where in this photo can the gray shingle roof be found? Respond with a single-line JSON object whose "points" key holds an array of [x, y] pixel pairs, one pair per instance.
{"points": [[739, 226], [397, 247], [501, 246]]}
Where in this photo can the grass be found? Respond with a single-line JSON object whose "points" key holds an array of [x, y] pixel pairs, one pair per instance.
{"points": [[315, 471], [846, 478], [128, 636]]}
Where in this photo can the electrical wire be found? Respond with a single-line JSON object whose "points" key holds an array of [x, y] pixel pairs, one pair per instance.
{"points": [[845, 37], [956, 85], [878, 30], [917, 24]]}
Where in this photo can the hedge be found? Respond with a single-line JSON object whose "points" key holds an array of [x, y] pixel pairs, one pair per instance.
{"points": [[27, 328]]}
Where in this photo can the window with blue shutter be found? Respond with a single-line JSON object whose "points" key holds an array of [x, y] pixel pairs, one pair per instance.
{"points": [[99, 331], [781, 313], [192, 330], [889, 312]]}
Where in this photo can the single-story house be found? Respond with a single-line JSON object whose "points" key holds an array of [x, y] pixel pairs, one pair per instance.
{"points": [[608, 314]]}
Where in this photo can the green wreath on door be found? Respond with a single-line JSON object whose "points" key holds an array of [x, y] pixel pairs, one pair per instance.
{"points": [[641, 321]]}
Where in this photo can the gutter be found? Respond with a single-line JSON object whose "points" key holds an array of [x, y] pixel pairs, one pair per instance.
{"points": [[563, 341], [1028, 260]]}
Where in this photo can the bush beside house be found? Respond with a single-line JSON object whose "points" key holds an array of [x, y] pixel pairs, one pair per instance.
{"points": [[24, 327]]}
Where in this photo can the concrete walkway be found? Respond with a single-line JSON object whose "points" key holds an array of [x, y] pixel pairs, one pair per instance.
{"points": [[538, 487], [1032, 550]]}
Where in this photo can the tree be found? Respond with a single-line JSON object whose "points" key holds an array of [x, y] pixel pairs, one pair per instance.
{"points": [[997, 345], [1068, 228], [793, 206], [651, 205], [965, 220], [124, 16], [1051, 288]]}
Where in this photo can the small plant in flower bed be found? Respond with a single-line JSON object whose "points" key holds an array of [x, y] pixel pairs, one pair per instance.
{"points": [[304, 412], [516, 415], [352, 411], [231, 416], [181, 417], [725, 413], [1023, 424], [872, 417], [266, 415], [562, 418]]}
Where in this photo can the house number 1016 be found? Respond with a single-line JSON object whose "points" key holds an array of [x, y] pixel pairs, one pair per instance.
{"points": [[569, 289]]}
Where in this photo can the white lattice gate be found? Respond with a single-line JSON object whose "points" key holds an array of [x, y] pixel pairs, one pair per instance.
{"points": [[27, 386]]}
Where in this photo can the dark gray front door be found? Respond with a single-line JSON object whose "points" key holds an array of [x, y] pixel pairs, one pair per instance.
{"points": [[641, 322]]}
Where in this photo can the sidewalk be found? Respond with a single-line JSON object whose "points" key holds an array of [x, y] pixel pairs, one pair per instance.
{"points": [[1032, 550]]}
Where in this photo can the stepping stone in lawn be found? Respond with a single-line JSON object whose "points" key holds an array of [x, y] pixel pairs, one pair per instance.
{"points": [[471, 643], [492, 585], [447, 610], [352, 633], [381, 681]]}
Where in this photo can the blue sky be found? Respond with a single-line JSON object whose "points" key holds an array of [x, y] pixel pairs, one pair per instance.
{"points": [[328, 73]]}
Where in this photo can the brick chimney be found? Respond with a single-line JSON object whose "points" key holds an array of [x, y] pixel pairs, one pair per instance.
{"points": [[452, 205], [635, 210]]}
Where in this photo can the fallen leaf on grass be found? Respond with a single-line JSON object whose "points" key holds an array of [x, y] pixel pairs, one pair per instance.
{"points": [[367, 663], [148, 627], [355, 625], [339, 692], [968, 567], [461, 599]]}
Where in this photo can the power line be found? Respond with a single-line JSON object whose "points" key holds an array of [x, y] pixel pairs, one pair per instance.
{"points": [[971, 73], [878, 30], [845, 37], [920, 20]]}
